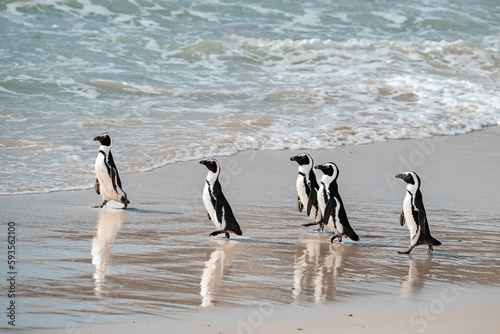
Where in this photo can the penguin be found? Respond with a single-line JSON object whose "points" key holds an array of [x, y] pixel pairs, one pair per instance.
{"points": [[108, 183], [307, 189], [217, 206], [414, 216], [331, 205]]}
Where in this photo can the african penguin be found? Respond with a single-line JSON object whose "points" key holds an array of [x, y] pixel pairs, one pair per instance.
{"points": [[331, 204], [217, 206], [108, 183], [307, 188], [414, 214]]}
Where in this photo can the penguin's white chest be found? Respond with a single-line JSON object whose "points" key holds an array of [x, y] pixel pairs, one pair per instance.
{"points": [[107, 190], [101, 173], [408, 212], [303, 184], [322, 197], [336, 225], [301, 189], [207, 201], [99, 164], [407, 209]]}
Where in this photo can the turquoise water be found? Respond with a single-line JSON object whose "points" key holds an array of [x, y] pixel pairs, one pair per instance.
{"points": [[181, 80]]}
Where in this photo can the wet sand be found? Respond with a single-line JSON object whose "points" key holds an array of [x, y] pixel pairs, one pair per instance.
{"points": [[154, 267]]}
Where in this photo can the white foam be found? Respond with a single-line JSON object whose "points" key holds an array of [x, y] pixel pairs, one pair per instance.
{"points": [[396, 19]]}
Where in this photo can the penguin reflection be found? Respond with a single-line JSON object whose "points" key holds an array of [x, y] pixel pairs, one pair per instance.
{"points": [[417, 273], [317, 268], [216, 266], [106, 227]]}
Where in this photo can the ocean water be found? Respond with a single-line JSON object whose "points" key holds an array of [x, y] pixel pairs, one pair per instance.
{"points": [[181, 80]]}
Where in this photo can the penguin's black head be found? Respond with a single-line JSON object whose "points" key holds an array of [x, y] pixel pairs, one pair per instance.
{"points": [[329, 169], [302, 159], [410, 178], [211, 164], [104, 139]]}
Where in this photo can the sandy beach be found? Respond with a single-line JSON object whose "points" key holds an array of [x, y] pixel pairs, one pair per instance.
{"points": [[154, 269]]}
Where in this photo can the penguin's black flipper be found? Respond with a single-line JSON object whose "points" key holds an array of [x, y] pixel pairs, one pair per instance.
{"points": [[312, 201], [97, 187], [313, 183], [216, 199], [329, 209], [402, 219], [300, 206], [115, 177]]}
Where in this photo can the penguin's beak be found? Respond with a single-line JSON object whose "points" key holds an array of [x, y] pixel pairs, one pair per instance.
{"points": [[400, 176], [294, 158], [318, 167], [203, 162], [96, 138]]}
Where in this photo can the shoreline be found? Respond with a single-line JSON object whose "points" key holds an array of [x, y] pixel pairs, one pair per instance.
{"points": [[437, 139], [82, 266]]}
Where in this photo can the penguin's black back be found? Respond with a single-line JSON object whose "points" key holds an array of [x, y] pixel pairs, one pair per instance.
{"points": [[348, 230], [224, 209], [420, 217], [115, 177]]}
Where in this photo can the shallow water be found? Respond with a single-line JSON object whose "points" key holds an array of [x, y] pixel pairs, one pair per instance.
{"points": [[120, 265], [181, 80]]}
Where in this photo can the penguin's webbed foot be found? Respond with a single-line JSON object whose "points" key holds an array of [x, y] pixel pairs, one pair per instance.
{"points": [[430, 249], [309, 224], [125, 202], [100, 206], [338, 235], [227, 235], [408, 251], [214, 233]]}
